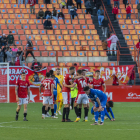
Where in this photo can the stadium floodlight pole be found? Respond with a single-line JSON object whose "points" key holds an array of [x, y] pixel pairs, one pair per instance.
{"points": [[7, 82]]}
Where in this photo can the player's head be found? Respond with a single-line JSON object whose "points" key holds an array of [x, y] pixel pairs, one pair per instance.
{"points": [[72, 70], [97, 73], [51, 72], [47, 75], [58, 71], [53, 77], [79, 72], [87, 89], [109, 104], [23, 75], [83, 72]]}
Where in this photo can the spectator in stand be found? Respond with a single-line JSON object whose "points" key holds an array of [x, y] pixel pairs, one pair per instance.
{"points": [[98, 4], [32, 5], [47, 24], [63, 4], [19, 52], [108, 43], [47, 14], [1, 55], [47, 1], [128, 11], [20, 2], [14, 52], [104, 45], [4, 51], [18, 59], [108, 2], [36, 65], [41, 14], [138, 46], [26, 2], [115, 12], [88, 7], [100, 14], [115, 80], [61, 15], [94, 3], [69, 5], [73, 10], [137, 2], [117, 2], [10, 39], [4, 40], [54, 14], [132, 77], [114, 40], [105, 26], [78, 2], [125, 2], [29, 48], [138, 7], [75, 64], [9, 56]]}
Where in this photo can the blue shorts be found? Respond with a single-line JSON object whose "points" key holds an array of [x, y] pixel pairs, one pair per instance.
{"points": [[103, 102], [55, 95]]}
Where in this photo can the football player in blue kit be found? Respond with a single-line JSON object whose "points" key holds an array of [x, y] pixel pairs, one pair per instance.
{"points": [[56, 81], [99, 100], [108, 109]]}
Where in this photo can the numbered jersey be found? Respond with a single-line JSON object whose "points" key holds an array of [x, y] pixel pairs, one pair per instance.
{"points": [[81, 83], [47, 86], [67, 79]]}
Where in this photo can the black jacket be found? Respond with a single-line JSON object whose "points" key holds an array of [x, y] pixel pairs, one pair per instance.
{"points": [[60, 13], [39, 65], [47, 13], [47, 23], [105, 23], [69, 3]]}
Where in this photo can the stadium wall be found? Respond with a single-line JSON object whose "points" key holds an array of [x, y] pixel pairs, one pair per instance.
{"points": [[122, 93]]}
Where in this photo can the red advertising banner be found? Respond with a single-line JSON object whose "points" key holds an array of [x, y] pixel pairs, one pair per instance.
{"points": [[123, 72], [34, 77], [114, 93]]}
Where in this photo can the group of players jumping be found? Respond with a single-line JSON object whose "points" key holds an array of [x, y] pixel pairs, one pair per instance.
{"points": [[50, 94]]}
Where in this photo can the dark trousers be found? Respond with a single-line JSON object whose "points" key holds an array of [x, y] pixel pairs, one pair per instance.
{"points": [[30, 53], [72, 102], [89, 10], [79, 5], [114, 16], [47, 1], [47, 27]]}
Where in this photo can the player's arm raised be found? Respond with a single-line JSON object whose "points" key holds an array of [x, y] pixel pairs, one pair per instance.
{"points": [[52, 87], [29, 93], [16, 92], [70, 86], [80, 76]]}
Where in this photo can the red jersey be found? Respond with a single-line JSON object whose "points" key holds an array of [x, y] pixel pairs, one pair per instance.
{"points": [[138, 45], [128, 10], [81, 83], [32, 2], [115, 10], [67, 79], [97, 84], [47, 86], [22, 88], [87, 80], [17, 61], [115, 81]]}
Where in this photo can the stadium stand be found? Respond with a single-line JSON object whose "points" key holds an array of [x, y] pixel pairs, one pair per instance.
{"points": [[69, 39]]}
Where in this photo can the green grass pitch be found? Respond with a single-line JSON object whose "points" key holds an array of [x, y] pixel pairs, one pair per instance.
{"points": [[126, 126]]}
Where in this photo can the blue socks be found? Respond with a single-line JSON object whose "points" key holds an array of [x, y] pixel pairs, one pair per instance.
{"points": [[96, 115], [55, 108], [102, 115]]}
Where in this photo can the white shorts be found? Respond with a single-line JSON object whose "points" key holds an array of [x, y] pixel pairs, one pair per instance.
{"points": [[47, 100], [23, 101], [66, 97], [81, 99]]}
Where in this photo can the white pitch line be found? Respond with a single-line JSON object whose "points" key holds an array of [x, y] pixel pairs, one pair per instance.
{"points": [[7, 122], [67, 128]]}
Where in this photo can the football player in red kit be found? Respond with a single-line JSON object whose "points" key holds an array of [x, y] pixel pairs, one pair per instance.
{"points": [[48, 98], [98, 83], [22, 91]]}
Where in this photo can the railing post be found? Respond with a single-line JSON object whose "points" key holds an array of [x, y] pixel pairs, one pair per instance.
{"points": [[57, 57], [134, 54], [117, 57]]}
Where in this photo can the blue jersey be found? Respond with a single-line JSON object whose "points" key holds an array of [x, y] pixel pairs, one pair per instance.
{"points": [[94, 93], [56, 81]]}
